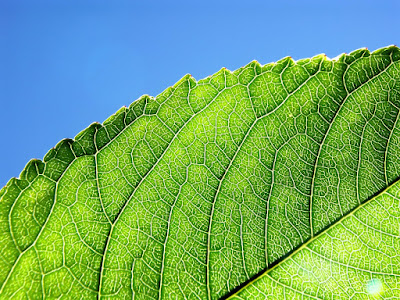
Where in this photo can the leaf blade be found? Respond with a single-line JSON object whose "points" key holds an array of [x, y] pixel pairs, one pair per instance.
{"points": [[135, 198], [321, 275]]}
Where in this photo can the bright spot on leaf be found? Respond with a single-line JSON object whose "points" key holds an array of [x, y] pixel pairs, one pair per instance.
{"points": [[374, 287]]}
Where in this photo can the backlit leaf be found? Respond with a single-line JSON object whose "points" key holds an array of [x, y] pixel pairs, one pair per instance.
{"points": [[273, 180]]}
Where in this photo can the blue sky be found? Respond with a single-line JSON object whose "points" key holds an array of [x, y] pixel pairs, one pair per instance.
{"points": [[66, 64]]}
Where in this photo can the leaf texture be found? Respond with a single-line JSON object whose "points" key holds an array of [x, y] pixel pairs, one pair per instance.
{"points": [[196, 192], [357, 258]]}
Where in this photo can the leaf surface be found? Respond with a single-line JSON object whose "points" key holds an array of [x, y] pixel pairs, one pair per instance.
{"points": [[357, 258], [197, 191]]}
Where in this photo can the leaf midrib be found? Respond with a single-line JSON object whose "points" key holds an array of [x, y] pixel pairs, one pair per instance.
{"points": [[291, 254]]}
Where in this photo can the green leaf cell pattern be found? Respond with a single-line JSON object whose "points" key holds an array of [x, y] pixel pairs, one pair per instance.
{"points": [[357, 258], [258, 182]]}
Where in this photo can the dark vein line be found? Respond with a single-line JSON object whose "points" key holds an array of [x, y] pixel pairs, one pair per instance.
{"points": [[296, 250]]}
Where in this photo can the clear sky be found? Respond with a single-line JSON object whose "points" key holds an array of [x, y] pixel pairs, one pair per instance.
{"points": [[65, 64]]}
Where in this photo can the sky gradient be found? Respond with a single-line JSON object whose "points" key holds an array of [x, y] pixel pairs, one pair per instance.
{"points": [[68, 64]]}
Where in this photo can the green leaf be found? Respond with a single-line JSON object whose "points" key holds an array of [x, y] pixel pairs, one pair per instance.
{"points": [[268, 171], [356, 258]]}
